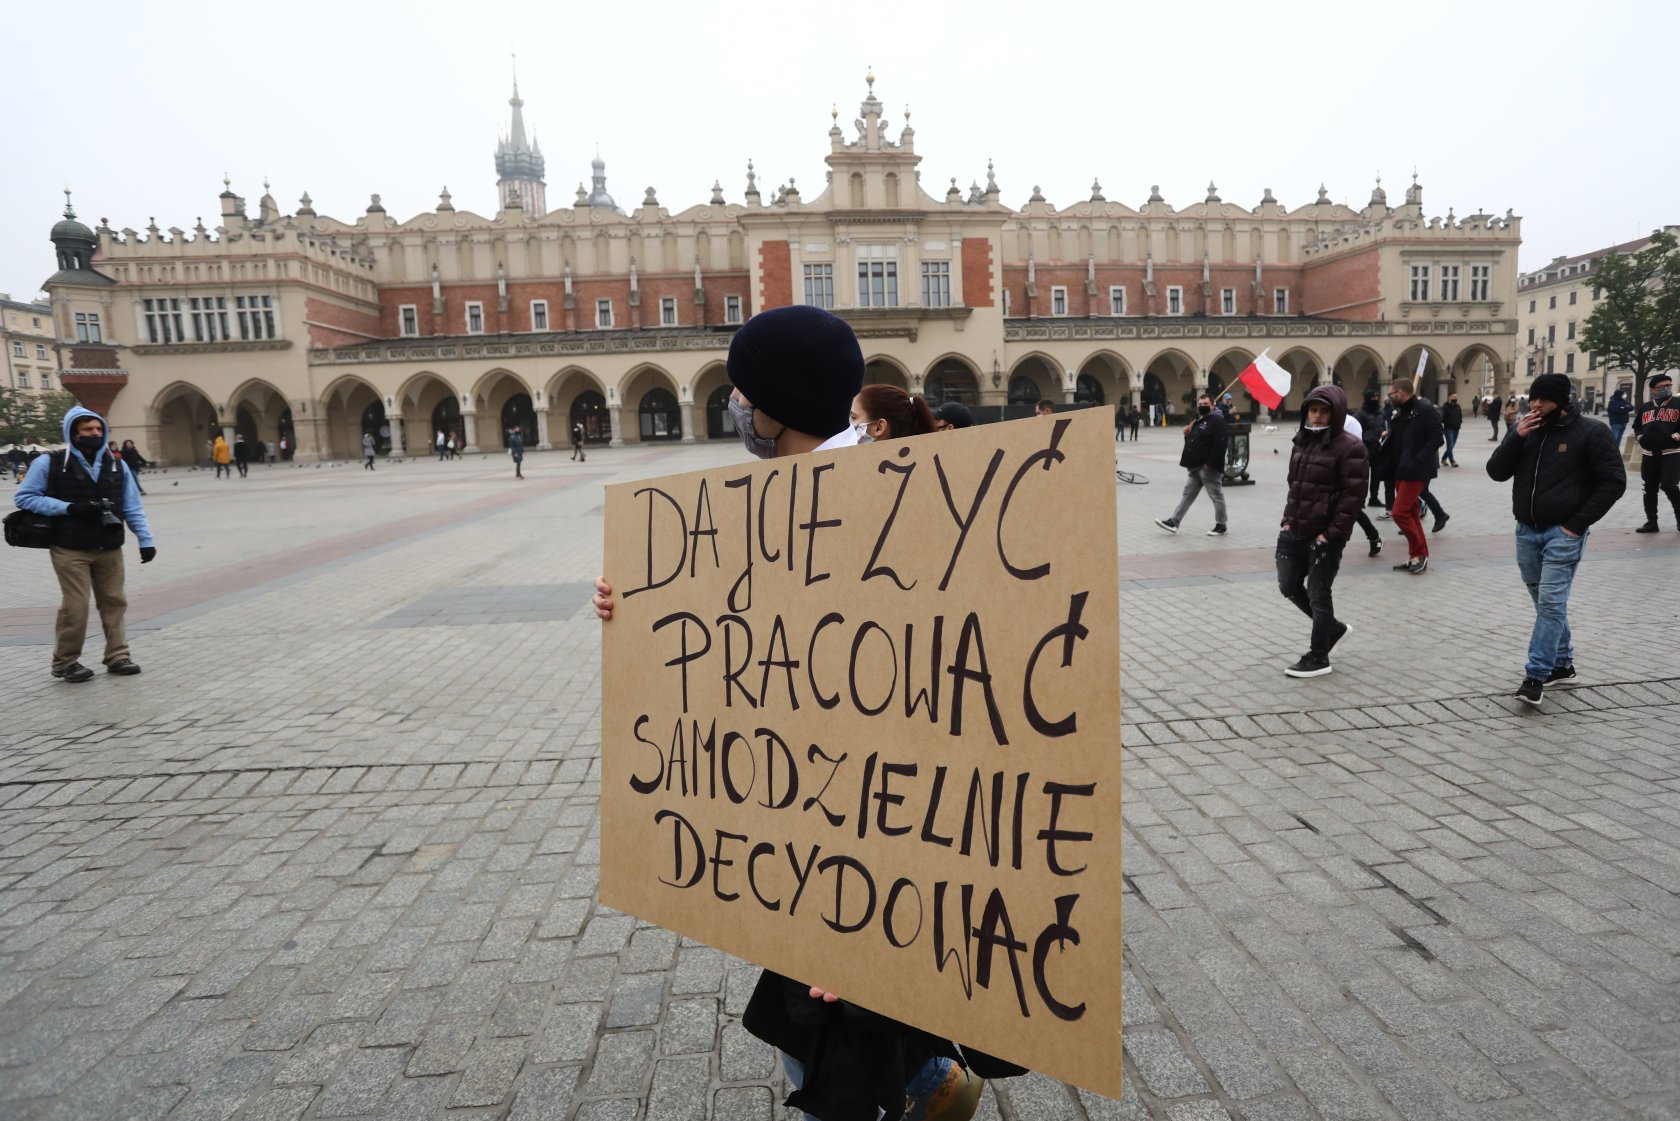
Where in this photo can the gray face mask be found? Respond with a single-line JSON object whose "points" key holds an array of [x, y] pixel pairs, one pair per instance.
{"points": [[754, 443]]}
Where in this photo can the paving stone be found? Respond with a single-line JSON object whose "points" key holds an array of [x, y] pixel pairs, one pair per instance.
{"points": [[691, 1025], [319, 1055], [544, 1094], [225, 1091], [1332, 1089], [636, 1001], [492, 1065], [743, 1103], [1163, 1065], [361, 1082], [621, 1064]]}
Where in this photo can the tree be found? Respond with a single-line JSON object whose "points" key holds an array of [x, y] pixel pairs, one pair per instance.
{"points": [[1636, 323], [20, 417], [53, 407]]}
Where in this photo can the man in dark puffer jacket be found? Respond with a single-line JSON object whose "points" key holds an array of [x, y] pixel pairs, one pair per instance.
{"points": [[1327, 472], [1567, 475]]}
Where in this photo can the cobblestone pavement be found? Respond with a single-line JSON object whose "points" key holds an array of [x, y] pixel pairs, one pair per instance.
{"points": [[334, 854]]}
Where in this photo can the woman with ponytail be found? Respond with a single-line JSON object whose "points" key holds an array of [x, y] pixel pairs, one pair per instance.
{"points": [[886, 412]]}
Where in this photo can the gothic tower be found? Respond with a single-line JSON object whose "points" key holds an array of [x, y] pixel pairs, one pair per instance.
{"points": [[519, 165]]}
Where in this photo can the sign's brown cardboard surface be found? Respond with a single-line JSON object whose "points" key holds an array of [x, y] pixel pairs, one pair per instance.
{"points": [[861, 726]]}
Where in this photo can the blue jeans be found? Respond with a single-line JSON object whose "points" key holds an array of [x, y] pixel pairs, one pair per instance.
{"points": [[922, 1083], [1452, 442], [1616, 431], [1547, 559]]}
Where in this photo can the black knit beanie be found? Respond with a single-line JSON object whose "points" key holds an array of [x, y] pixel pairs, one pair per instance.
{"points": [[1551, 387], [798, 365]]}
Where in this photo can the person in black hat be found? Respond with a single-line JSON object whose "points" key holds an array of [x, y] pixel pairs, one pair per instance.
{"points": [[1656, 429], [1567, 474], [951, 416]]}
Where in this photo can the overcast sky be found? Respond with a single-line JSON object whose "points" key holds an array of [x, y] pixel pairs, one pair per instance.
{"points": [[1557, 111]]}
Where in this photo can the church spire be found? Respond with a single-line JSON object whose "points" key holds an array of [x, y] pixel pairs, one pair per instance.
{"points": [[516, 139], [519, 163]]}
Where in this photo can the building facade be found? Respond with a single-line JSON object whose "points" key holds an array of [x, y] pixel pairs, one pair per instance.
{"points": [[1553, 304], [30, 345], [320, 329]]}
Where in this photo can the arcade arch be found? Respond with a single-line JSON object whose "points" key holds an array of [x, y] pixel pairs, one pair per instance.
{"points": [[351, 408], [502, 399], [576, 396], [1477, 371], [1436, 378], [1359, 370], [651, 394], [1034, 378], [711, 392], [1103, 380], [1169, 381], [951, 378], [258, 410], [424, 406], [186, 425], [881, 370]]}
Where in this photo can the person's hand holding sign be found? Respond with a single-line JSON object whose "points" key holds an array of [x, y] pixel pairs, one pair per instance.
{"points": [[602, 599]]}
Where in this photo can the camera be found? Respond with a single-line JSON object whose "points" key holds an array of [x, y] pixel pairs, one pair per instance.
{"points": [[107, 514]]}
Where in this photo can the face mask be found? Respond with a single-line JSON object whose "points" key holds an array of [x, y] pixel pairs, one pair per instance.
{"points": [[863, 436], [754, 443], [90, 446], [1204, 409], [1318, 428], [1662, 394]]}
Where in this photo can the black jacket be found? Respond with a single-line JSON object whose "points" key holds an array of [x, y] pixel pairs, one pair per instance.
{"points": [[1371, 420], [1567, 473], [68, 480], [1204, 443], [1327, 473], [1619, 408], [1655, 426], [1452, 416], [1414, 440]]}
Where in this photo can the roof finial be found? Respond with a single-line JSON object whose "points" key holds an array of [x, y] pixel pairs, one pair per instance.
{"points": [[69, 211], [265, 184], [870, 78], [514, 55]]}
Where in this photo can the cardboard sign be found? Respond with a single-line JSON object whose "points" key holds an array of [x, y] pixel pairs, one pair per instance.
{"points": [[861, 726]]}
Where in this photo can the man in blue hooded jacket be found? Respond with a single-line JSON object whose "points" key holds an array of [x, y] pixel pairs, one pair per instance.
{"points": [[89, 494]]}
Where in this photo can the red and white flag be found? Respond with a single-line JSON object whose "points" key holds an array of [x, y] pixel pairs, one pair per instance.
{"points": [[1266, 381]]}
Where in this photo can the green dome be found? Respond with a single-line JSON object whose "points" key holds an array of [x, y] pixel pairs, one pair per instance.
{"points": [[71, 229]]}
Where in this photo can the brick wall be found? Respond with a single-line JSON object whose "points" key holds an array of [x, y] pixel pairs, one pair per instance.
{"points": [[775, 269], [1130, 277], [977, 272], [1350, 283], [84, 357], [582, 318], [324, 315]]}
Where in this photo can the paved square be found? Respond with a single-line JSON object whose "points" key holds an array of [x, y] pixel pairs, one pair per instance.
{"points": [[334, 853]]}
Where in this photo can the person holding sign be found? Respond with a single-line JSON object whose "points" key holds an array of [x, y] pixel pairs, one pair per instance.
{"points": [[798, 387], [1327, 470]]}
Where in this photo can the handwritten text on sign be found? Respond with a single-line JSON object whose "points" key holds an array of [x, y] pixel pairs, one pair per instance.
{"points": [[861, 725]]}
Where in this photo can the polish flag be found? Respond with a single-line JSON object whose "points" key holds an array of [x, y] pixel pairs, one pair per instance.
{"points": [[1266, 381]]}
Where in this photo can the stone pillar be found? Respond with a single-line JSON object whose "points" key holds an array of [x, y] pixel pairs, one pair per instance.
{"points": [[469, 422], [543, 443], [1137, 397], [309, 428], [399, 434], [613, 411], [687, 410]]}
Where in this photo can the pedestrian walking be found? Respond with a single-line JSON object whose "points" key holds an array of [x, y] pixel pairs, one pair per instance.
{"points": [[1371, 424], [222, 456], [1491, 410], [134, 461], [285, 449], [1352, 425], [1566, 474], [1510, 415], [88, 494], [1657, 431], [1452, 419], [516, 449], [577, 442], [441, 451], [1327, 480], [1204, 458], [368, 450], [1617, 413], [241, 454], [1414, 434], [1120, 423], [1134, 420]]}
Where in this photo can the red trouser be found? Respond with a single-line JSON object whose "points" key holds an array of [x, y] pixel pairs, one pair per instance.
{"points": [[1408, 496]]}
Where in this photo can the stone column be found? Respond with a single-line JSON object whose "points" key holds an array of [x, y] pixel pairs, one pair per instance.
{"points": [[1137, 397], [687, 409], [613, 411], [543, 444], [309, 428], [469, 422], [399, 434]]}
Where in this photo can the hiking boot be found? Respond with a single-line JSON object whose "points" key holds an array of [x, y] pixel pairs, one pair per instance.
{"points": [[1440, 523], [1532, 691], [1310, 665], [1167, 524], [1648, 527], [1217, 531], [1562, 676], [122, 667], [75, 673], [1376, 546]]}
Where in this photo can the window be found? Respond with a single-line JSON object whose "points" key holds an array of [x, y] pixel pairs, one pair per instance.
{"points": [[163, 320], [732, 309], [1597, 295], [256, 316], [1449, 283], [936, 284], [1420, 283], [17, 350], [1569, 363], [1280, 301], [1531, 305], [1572, 294], [1531, 336], [1570, 330], [46, 380], [1551, 301], [1058, 300], [819, 285], [877, 270], [1116, 300], [668, 311], [1175, 300], [539, 315], [475, 318], [23, 379], [35, 322], [1592, 360], [408, 321], [1227, 301], [209, 318], [603, 313], [1551, 363], [1551, 333], [41, 351], [1480, 280]]}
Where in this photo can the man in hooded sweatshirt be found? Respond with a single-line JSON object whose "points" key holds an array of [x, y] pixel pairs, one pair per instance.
{"points": [[222, 456], [89, 494], [1327, 473]]}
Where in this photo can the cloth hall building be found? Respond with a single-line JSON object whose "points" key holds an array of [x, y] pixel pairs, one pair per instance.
{"points": [[619, 317]]}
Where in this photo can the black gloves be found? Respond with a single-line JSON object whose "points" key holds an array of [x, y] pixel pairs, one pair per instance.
{"points": [[147, 552], [84, 511]]}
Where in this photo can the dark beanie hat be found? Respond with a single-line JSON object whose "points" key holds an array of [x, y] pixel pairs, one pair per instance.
{"points": [[1551, 387], [799, 365], [1657, 379], [956, 414]]}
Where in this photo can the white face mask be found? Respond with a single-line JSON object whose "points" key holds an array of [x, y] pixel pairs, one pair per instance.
{"points": [[1318, 428], [755, 444], [862, 431]]}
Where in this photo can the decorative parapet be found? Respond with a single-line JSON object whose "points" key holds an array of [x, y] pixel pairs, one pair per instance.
{"points": [[459, 348], [1037, 330], [211, 348]]}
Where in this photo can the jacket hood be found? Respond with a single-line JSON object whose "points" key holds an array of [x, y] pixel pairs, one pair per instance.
{"points": [[1333, 396], [77, 413]]}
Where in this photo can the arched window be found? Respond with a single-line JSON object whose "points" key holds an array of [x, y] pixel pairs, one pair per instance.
{"points": [[590, 410], [374, 423], [719, 424], [1154, 392], [518, 411], [659, 416], [951, 381], [1023, 390], [1089, 391]]}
